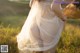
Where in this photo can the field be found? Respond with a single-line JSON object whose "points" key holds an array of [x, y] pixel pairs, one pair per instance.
{"points": [[69, 42], [10, 26]]}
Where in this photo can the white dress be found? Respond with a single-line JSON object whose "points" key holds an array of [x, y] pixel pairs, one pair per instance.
{"points": [[42, 29]]}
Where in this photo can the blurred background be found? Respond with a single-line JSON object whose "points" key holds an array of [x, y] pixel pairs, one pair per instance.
{"points": [[13, 14]]}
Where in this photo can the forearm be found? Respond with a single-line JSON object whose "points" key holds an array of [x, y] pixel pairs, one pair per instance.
{"points": [[56, 8], [60, 14]]}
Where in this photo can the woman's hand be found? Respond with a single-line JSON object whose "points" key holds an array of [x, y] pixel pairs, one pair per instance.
{"points": [[56, 8]]}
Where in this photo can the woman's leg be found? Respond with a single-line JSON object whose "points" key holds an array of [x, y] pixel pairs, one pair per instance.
{"points": [[52, 50], [37, 51], [25, 51]]}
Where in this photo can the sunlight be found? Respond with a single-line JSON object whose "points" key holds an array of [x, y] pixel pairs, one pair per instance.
{"points": [[71, 5]]}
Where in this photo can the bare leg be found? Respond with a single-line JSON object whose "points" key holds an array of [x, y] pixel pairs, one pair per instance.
{"points": [[37, 51], [52, 50], [35, 36]]}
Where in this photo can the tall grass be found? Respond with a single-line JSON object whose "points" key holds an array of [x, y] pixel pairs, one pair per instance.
{"points": [[69, 42], [8, 37]]}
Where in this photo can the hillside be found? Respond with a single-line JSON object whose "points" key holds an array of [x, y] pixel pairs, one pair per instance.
{"points": [[13, 13], [13, 8]]}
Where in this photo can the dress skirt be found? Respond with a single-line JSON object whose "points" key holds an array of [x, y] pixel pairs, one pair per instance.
{"points": [[41, 30], [52, 50]]}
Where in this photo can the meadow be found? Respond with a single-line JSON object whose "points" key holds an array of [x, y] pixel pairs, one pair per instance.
{"points": [[11, 25], [69, 42]]}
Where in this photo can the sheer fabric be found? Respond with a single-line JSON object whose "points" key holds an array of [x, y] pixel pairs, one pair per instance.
{"points": [[41, 30]]}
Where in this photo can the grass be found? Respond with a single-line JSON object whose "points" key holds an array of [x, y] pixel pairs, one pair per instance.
{"points": [[13, 21], [8, 37], [69, 42]]}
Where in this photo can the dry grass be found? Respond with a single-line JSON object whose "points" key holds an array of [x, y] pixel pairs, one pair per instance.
{"points": [[69, 42]]}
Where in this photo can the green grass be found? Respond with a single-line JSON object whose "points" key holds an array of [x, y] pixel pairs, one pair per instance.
{"points": [[69, 42], [8, 37], [13, 21]]}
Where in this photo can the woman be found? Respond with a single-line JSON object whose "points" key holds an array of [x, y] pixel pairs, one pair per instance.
{"points": [[42, 29]]}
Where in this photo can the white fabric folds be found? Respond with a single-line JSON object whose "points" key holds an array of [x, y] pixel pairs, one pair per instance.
{"points": [[42, 29]]}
